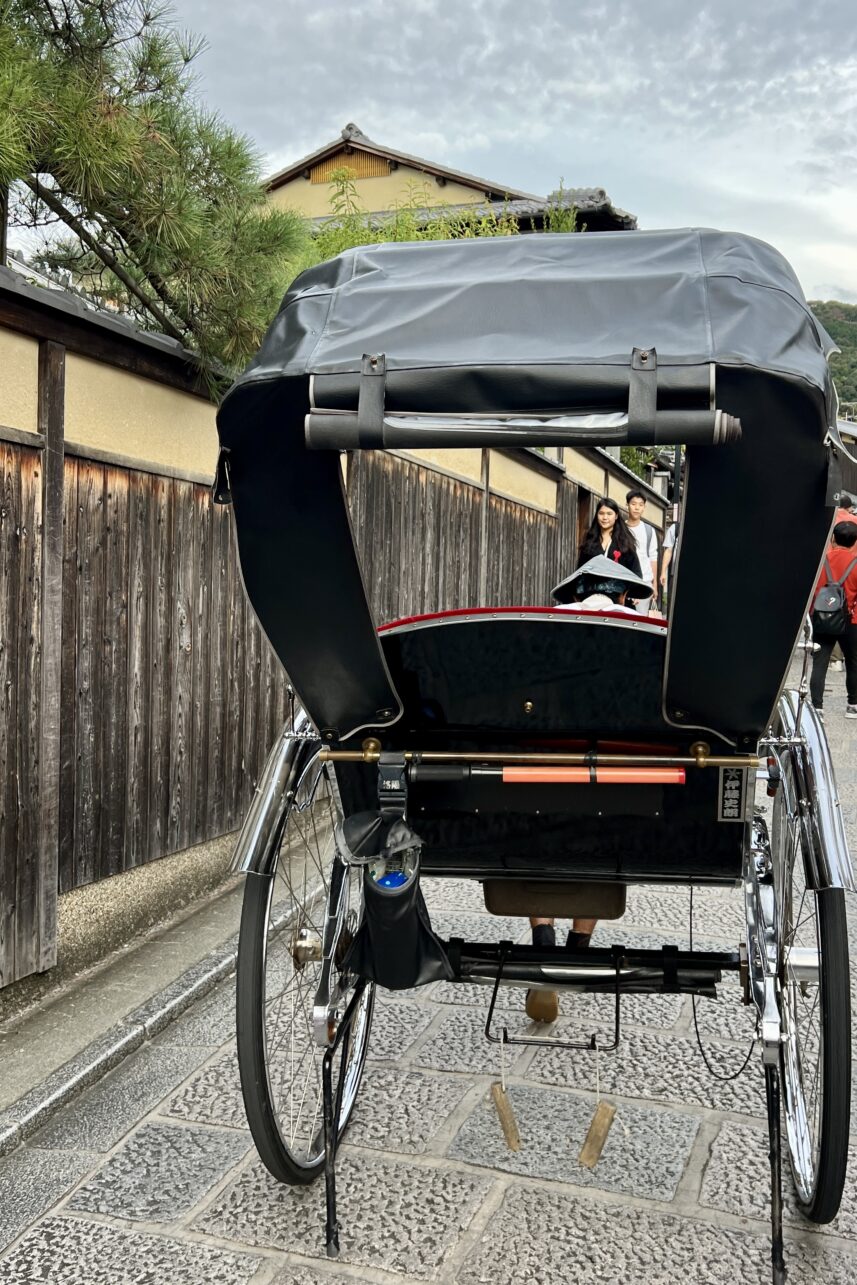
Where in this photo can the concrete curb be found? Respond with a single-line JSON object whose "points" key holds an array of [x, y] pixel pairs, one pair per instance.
{"points": [[23, 1118]]}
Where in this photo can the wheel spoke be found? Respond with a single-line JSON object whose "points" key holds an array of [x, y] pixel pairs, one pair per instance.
{"points": [[292, 1057]]}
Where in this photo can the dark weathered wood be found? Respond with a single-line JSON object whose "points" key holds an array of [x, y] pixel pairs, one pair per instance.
{"points": [[68, 682], [114, 673], [202, 659], [219, 642], [181, 669], [25, 894], [88, 816], [9, 572], [160, 621], [51, 415], [20, 437], [131, 462], [139, 674]]}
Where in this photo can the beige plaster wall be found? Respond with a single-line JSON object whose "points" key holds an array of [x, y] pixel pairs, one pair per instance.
{"points": [[112, 410], [19, 381], [374, 194], [514, 480], [585, 471], [466, 464]]}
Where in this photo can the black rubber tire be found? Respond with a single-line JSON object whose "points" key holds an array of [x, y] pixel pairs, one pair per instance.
{"points": [[252, 1046], [819, 1204], [826, 1197]]}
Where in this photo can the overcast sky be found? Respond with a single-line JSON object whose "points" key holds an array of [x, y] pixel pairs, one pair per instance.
{"points": [[737, 114]]}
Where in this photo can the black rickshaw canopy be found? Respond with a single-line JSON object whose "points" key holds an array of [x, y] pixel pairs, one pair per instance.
{"points": [[667, 336]]}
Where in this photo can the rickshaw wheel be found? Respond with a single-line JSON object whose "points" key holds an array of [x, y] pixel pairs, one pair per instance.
{"points": [[279, 968], [816, 1016]]}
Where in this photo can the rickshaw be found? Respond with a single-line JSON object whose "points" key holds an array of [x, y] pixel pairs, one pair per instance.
{"points": [[555, 756]]}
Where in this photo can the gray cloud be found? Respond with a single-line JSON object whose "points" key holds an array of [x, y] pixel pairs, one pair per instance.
{"points": [[734, 92]]}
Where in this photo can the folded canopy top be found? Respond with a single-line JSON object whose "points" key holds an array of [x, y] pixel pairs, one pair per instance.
{"points": [[544, 327]]}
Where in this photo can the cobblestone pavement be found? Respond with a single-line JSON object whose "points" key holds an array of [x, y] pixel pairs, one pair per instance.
{"points": [[150, 1176]]}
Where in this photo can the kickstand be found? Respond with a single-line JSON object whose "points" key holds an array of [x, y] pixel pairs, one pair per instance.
{"points": [[772, 1093], [332, 1109]]}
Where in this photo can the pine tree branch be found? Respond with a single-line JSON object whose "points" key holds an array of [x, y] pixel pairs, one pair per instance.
{"points": [[101, 251]]}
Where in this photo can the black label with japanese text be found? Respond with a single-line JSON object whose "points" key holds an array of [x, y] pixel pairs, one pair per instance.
{"points": [[733, 794]]}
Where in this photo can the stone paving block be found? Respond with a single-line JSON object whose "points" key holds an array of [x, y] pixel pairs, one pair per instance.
{"points": [[31, 1182], [161, 1172], [484, 927], [402, 1110], [398, 1217], [726, 1017], [545, 1239], [211, 1021], [718, 913], [459, 1044], [396, 1024], [657, 1067], [638, 1010], [731, 1182], [302, 1275], [212, 1096], [75, 1251], [644, 1155], [100, 1117], [463, 895]]}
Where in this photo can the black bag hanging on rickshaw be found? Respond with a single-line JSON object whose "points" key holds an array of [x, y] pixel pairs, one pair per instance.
{"points": [[830, 614], [394, 944]]}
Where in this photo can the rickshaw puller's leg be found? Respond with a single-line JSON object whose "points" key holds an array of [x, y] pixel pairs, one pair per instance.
{"points": [[772, 1094]]}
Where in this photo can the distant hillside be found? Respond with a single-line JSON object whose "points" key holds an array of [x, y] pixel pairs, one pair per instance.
{"points": [[840, 322]]}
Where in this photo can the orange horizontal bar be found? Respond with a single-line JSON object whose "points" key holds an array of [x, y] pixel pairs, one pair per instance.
{"points": [[603, 776]]}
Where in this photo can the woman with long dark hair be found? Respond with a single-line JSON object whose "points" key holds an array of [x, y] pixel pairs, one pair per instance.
{"points": [[609, 536]]}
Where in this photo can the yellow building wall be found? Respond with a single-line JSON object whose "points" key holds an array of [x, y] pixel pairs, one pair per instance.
{"points": [[466, 464], [585, 471], [19, 381], [374, 194], [113, 410], [514, 480]]}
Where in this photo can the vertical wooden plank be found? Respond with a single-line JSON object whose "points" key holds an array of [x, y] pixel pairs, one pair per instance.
{"points": [[51, 420], [234, 703], [181, 667], [29, 676], [138, 684], [10, 571], [159, 664], [221, 543], [113, 713], [90, 625], [68, 679], [202, 660]]}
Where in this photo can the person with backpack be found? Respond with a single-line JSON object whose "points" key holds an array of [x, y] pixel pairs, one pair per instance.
{"points": [[834, 616], [647, 544]]}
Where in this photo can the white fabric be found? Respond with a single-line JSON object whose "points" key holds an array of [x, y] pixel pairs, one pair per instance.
{"points": [[669, 538], [597, 602], [647, 548]]}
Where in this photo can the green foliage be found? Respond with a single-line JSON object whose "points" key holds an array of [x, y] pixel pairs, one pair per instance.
{"points": [[635, 458], [416, 219], [840, 322], [140, 191], [412, 219]]}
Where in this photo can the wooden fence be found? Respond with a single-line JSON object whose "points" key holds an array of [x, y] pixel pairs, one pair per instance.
{"points": [[139, 695]]}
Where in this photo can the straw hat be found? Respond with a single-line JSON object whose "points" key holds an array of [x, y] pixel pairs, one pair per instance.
{"points": [[606, 576]]}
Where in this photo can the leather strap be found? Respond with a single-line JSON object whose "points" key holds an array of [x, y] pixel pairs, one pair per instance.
{"points": [[642, 396]]}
